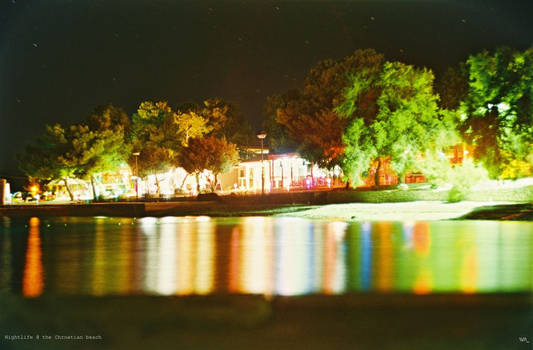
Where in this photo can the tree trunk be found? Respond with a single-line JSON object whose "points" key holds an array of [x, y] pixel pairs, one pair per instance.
{"points": [[68, 189], [401, 179], [93, 187], [183, 182], [376, 175], [216, 182], [312, 175], [157, 186], [197, 183]]}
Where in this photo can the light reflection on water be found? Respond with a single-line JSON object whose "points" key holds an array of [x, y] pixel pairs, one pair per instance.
{"points": [[271, 256]]}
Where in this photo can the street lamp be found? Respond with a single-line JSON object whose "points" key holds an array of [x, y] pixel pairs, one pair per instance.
{"points": [[136, 155], [261, 136]]}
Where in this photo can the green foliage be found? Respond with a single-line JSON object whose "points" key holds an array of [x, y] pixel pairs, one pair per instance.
{"points": [[214, 117], [80, 150], [107, 117], [461, 177], [154, 134], [452, 87], [191, 125], [498, 110], [41, 160], [94, 151], [391, 111], [161, 135], [309, 117]]}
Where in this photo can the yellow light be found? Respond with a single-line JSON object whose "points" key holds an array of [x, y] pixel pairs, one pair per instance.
{"points": [[34, 189]]}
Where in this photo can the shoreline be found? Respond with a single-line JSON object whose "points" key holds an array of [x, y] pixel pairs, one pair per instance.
{"points": [[352, 205], [399, 211]]}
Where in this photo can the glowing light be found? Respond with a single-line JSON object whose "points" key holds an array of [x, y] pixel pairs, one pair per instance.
{"points": [[234, 262], [421, 238], [469, 271], [334, 269], [168, 220], [423, 283], [151, 263], [148, 225], [384, 257], [205, 262], [166, 283], [32, 284], [253, 262], [292, 255], [99, 262], [186, 255]]}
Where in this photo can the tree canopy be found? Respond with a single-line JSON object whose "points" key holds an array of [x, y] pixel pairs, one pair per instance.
{"points": [[208, 153], [391, 111], [42, 159], [80, 150], [309, 116], [498, 110]]}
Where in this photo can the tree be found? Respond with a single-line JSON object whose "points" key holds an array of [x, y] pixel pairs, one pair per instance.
{"points": [[43, 159], [94, 151], [498, 109], [209, 153], [190, 124], [309, 116], [224, 157], [278, 135], [452, 87], [215, 117], [391, 112], [155, 135], [106, 117], [109, 147]]}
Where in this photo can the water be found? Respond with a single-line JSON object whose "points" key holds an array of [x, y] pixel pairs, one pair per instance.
{"points": [[257, 255]]}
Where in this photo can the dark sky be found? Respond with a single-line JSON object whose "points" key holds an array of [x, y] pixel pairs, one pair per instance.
{"points": [[59, 59]]}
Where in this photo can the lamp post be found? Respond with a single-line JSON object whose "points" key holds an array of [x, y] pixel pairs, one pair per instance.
{"points": [[261, 136], [136, 155]]}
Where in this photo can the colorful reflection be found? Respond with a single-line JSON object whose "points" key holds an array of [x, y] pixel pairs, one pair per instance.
{"points": [[258, 255], [32, 284]]}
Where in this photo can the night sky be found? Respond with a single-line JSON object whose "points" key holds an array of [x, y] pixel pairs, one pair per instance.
{"points": [[60, 59]]}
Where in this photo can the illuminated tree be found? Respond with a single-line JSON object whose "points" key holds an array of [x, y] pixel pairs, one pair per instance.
{"points": [[209, 153], [498, 109], [391, 112], [214, 117], [190, 124], [80, 150], [223, 158], [154, 134], [309, 116], [42, 160], [94, 151]]}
